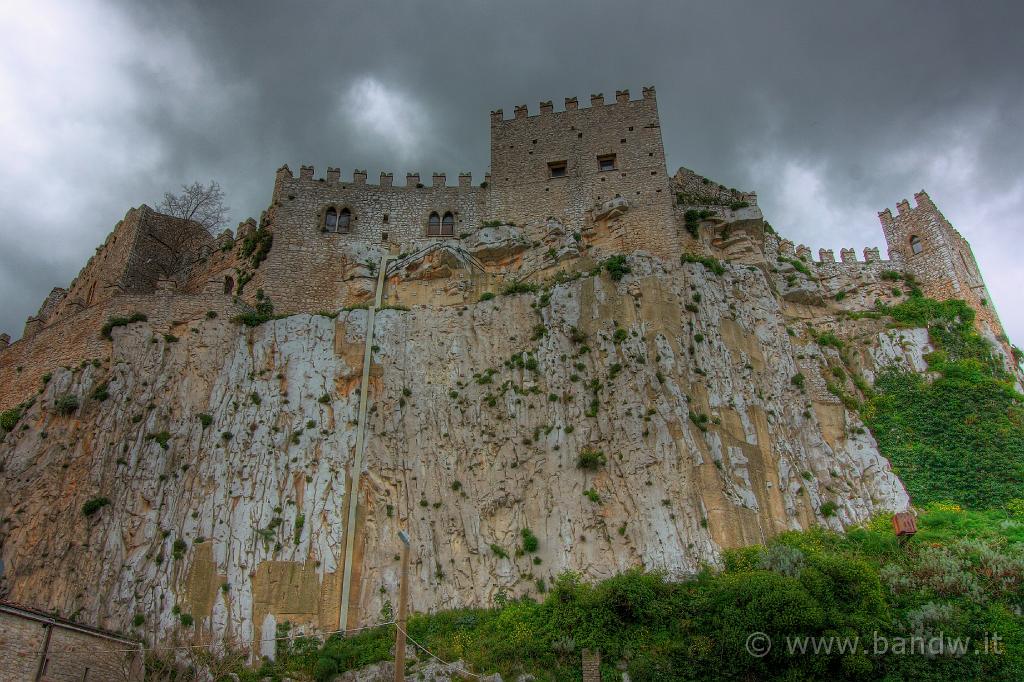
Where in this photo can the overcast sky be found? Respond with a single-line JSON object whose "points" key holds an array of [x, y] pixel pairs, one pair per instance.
{"points": [[830, 111]]}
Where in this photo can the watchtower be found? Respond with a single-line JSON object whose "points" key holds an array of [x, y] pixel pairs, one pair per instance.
{"points": [[939, 257]]}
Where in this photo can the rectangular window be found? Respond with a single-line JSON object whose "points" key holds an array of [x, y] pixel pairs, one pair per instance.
{"points": [[606, 162], [556, 169]]}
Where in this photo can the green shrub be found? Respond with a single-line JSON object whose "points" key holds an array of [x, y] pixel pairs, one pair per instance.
{"points": [[828, 509], [120, 321], [616, 267], [100, 392], [66, 404], [262, 312], [798, 380], [94, 505], [256, 246], [138, 620], [9, 418], [487, 296], [520, 288], [186, 619], [498, 551], [205, 419], [160, 438], [178, 548], [712, 264], [736, 205], [530, 541], [591, 459]]}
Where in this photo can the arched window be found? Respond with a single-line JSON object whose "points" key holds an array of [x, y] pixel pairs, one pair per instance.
{"points": [[448, 225], [434, 225], [229, 284], [344, 220], [915, 244], [331, 221]]}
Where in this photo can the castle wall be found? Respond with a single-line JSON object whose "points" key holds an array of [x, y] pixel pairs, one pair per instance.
{"points": [[308, 266], [76, 338], [524, 147]]}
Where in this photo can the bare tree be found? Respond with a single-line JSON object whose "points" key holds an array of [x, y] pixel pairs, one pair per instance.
{"points": [[198, 204], [184, 228]]}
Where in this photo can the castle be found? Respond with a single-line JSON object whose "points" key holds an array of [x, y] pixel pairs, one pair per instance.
{"points": [[596, 174]]}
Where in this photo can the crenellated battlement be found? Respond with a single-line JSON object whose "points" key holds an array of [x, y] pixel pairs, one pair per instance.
{"points": [[547, 107], [359, 178]]}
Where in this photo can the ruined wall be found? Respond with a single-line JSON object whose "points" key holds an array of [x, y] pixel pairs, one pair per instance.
{"points": [[523, 189], [76, 338]]}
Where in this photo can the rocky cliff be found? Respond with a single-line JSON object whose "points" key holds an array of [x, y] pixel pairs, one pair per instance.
{"points": [[646, 414]]}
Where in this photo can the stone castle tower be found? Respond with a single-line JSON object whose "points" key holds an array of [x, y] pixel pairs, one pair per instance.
{"points": [[931, 249]]}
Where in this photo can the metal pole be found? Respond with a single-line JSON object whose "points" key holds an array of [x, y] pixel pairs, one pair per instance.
{"points": [[357, 463], [403, 598]]}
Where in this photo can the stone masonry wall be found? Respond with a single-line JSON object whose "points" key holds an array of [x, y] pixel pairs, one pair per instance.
{"points": [[945, 267], [77, 338], [523, 189], [72, 655]]}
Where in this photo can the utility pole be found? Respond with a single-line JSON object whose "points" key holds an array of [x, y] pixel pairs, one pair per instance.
{"points": [[403, 598]]}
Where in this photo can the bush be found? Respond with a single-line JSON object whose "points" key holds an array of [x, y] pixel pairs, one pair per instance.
{"points": [[325, 669], [828, 509], [487, 296], [94, 505], [737, 205], [591, 459], [616, 267], [530, 541], [100, 392], [9, 418], [66, 404], [262, 312], [798, 380], [712, 264], [205, 419], [119, 321]]}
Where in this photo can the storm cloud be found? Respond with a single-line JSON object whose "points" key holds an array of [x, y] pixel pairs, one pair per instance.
{"points": [[830, 112]]}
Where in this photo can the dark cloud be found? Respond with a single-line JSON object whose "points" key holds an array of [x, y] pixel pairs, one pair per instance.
{"points": [[831, 112]]}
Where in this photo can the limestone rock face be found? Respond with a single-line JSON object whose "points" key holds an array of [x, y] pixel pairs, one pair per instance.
{"points": [[650, 421]]}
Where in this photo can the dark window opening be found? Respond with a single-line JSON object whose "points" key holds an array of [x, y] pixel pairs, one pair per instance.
{"points": [[915, 244], [447, 225], [557, 169], [630, 128], [344, 220], [331, 220], [434, 225], [383, 236], [606, 162], [385, 218], [229, 284]]}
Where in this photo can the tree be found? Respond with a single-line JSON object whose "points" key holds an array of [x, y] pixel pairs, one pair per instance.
{"points": [[184, 228], [198, 204]]}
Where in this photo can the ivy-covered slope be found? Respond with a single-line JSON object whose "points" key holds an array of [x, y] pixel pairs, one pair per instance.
{"points": [[957, 437]]}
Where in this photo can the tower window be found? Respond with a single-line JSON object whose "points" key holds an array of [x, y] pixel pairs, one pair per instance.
{"points": [[915, 244], [434, 225], [606, 162], [447, 225], [344, 220], [331, 221], [557, 169]]}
